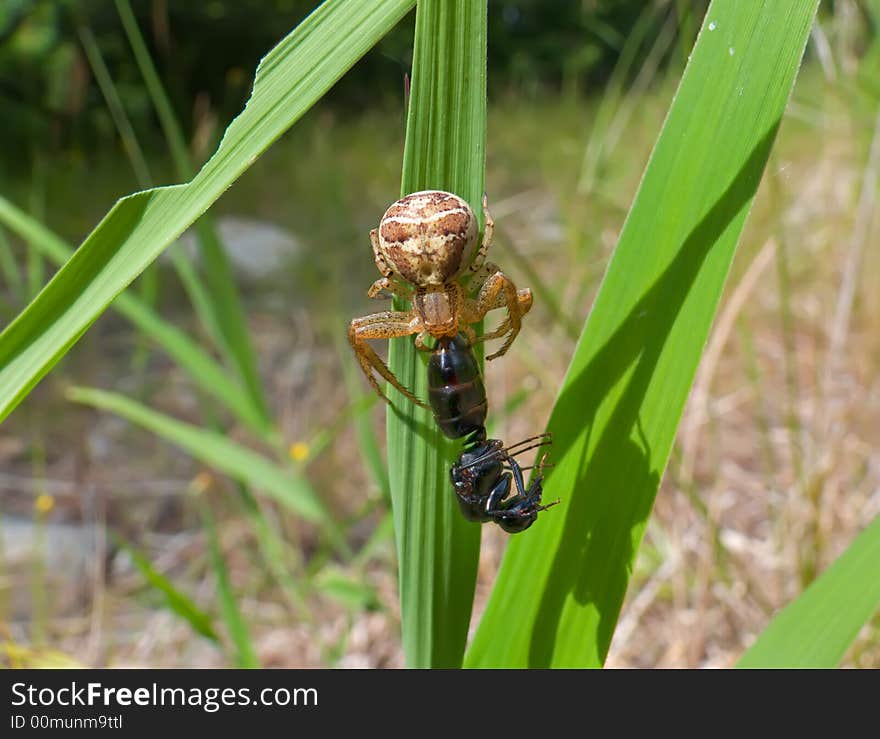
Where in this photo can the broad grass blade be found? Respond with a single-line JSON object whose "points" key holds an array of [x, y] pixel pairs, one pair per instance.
{"points": [[562, 582], [202, 368], [817, 628], [289, 80], [445, 149]]}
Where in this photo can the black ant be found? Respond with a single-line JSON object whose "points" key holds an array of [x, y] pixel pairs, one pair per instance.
{"points": [[483, 473]]}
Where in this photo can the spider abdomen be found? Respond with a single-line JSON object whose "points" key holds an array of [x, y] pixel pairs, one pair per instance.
{"points": [[428, 237]]}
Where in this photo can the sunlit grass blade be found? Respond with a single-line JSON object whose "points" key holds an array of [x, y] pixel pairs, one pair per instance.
{"points": [[562, 582], [177, 601], [445, 149], [236, 625], [289, 80], [215, 450], [816, 629], [202, 368]]}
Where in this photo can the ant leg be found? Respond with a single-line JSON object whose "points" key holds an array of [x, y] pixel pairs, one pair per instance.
{"points": [[527, 500], [495, 451], [545, 439], [498, 493], [518, 478], [385, 325]]}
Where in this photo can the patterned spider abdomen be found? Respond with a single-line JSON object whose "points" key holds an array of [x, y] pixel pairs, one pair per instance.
{"points": [[428, 237]]}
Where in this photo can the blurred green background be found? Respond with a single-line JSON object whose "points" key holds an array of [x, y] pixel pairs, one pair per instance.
{"points": [[105, 554]]}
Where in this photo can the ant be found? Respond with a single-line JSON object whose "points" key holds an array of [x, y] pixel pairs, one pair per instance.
{"points": [[483, 473]]}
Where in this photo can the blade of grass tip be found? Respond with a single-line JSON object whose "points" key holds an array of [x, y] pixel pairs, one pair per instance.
{"points": [[246, 656], [437, 549], [816, 629], [177, 601], [228, 313], [614, 421], [289, 80], [216, 450], [204, 371]]}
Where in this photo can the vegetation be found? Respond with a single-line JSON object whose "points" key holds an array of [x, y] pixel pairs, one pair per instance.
{"points": [[293, 492]]}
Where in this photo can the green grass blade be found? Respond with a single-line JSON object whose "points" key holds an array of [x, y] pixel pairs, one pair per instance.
{"points": [[246, 656], [445, 149], [164, 110], [352, 592], [9, 272], [227, 315], [198, 295], [204, 371], [37, 206], [177, 602], [289, 80], [215, 450], [816, 629], [562, 582], [114, 104]]}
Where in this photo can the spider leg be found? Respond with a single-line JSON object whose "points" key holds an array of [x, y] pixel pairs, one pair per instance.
{"points": [[488, 231], [391, 281], [383, 266], [390, 286], [498, 291], [384, 325], [420, 340]]}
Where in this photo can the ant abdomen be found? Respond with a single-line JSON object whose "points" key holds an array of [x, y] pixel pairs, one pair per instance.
{"points": [[455, 388]]}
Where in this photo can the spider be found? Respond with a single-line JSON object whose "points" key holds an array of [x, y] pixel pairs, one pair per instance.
{"points": [[426, 250]]}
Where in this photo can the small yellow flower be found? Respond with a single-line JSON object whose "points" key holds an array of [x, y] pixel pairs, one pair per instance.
{"points": [[44, 503], [299, 451], [201, 482]]}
